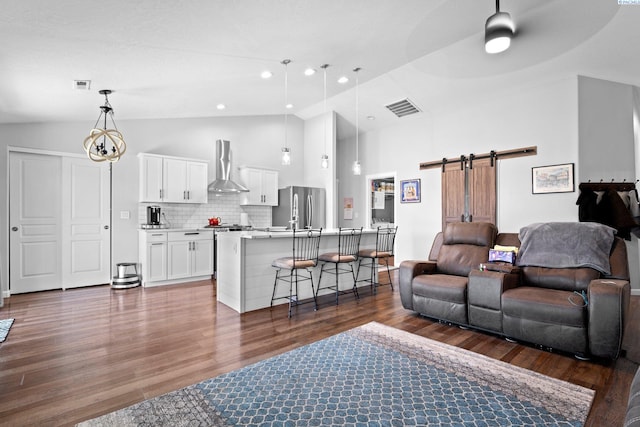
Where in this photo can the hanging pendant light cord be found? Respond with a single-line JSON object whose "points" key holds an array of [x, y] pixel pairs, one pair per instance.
{"points": [[357, 114], [286, 100], [324, 95]]}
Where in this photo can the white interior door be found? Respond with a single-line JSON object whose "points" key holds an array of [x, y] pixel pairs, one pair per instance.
{"points": [[85, 223], [35, 220]]}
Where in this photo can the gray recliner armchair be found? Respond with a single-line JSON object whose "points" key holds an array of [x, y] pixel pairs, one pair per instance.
{"points": [[438, 287]]}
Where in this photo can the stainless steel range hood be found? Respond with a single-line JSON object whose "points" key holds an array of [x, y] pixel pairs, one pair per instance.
{"points": [[223, 184]]}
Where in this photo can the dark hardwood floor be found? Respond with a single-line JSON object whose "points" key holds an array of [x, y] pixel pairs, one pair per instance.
{"points": [[74, 355]]}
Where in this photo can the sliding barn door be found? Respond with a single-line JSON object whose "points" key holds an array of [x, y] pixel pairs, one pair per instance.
{"points": [[469, 192], [453, 194], [482, 191]]}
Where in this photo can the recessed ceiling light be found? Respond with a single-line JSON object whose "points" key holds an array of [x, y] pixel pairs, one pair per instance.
{"points": [[221, 106], [371, 117], [309, 71], [266, 74], [289, 106], [342, 80]]}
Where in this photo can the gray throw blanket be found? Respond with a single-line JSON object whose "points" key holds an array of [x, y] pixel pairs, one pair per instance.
{"points": [[566, 245]]}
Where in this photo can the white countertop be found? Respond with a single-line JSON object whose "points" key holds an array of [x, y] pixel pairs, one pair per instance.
{"points": [[256, 234], [248, 234], [158, 230]]}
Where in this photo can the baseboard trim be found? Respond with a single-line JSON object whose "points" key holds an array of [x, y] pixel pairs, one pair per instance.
{"points": [[635, 291], [6, 294]]}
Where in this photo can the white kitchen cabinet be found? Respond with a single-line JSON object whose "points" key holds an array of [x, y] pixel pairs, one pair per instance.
{"points": [[168, 257], [197, 182], [150, 178], [262, 185], [153, 256], [189, 254], [157, 261], [172, 179]]}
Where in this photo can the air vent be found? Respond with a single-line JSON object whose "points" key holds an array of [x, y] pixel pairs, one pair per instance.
{"points": [[82, 84], [403, 108]]}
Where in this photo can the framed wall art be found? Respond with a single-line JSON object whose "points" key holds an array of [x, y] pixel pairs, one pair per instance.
{"points": [[410, 191], [552, 179]]}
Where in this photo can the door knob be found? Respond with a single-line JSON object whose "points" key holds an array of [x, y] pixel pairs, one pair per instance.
{"points": [[106, 227], [14, 228]]}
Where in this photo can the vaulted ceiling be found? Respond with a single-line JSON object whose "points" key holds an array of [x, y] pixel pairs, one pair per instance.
{"points": [[182, 58]]}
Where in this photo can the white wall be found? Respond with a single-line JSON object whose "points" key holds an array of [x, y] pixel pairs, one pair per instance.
{"points": [[606, 130], [544, 115], [255, 141], [608, 137]]}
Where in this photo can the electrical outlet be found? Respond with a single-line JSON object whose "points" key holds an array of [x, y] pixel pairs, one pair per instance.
{"points": [[124, 215]]}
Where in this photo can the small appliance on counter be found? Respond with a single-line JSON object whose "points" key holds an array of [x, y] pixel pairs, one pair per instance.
{"points": [[153, 215], [153, 218]]}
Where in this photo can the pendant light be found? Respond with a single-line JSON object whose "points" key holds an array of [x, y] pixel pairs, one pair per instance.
{"points": [[356, 164], [105, 144], [286, 152], [498, 31], [324, 160]]}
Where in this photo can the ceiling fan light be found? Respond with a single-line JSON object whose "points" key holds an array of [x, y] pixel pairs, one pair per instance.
{"points": [[498, 32]]}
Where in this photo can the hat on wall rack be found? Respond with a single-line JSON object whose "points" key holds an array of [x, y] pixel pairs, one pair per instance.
{"points": [[105, 144], [498, 31]]}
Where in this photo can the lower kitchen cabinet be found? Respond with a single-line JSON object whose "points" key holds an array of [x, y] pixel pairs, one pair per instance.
{"points": [[190, 253], [175, 256], [156, 261]]}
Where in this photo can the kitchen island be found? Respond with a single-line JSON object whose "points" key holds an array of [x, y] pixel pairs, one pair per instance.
{"points": [[245, 276]]}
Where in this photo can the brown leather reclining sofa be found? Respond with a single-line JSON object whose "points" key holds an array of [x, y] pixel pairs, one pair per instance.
{"points": [[538, 305]]}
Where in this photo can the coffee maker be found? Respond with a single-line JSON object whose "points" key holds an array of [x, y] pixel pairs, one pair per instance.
{"points": [[153, 216]]}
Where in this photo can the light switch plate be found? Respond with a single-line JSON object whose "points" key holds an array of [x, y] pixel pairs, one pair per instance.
{"points": [[124, 215]]}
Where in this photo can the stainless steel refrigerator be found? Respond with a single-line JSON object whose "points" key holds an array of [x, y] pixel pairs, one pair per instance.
{"points": [[302, 207]]}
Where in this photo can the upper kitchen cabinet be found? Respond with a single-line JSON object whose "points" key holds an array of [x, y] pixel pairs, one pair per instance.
{"points": [[172, 179], [262, 185]]}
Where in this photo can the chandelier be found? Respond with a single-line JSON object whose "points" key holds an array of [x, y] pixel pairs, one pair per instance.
{"points": [[105, 144]]}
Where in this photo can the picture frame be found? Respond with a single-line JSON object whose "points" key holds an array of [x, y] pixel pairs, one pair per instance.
{"points": [[553, 179], [410, 191]]}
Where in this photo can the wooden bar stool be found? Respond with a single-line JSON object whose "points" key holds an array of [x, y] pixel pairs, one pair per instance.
{"points": [[303, 259], [385, 238], [347, 254]]}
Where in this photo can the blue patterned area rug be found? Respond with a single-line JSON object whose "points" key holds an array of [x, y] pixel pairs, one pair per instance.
{"points": [[5, 325], [373, 375]]}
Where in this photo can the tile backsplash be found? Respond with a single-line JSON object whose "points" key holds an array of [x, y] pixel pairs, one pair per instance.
{"points": [[225, 206]]}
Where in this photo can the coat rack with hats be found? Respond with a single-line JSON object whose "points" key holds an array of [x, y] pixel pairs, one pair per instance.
{"points": [[613, 203]]}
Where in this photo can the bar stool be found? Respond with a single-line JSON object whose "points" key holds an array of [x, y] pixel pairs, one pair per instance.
{"points": [[385, 238], [304, 257], [348, 247]]}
